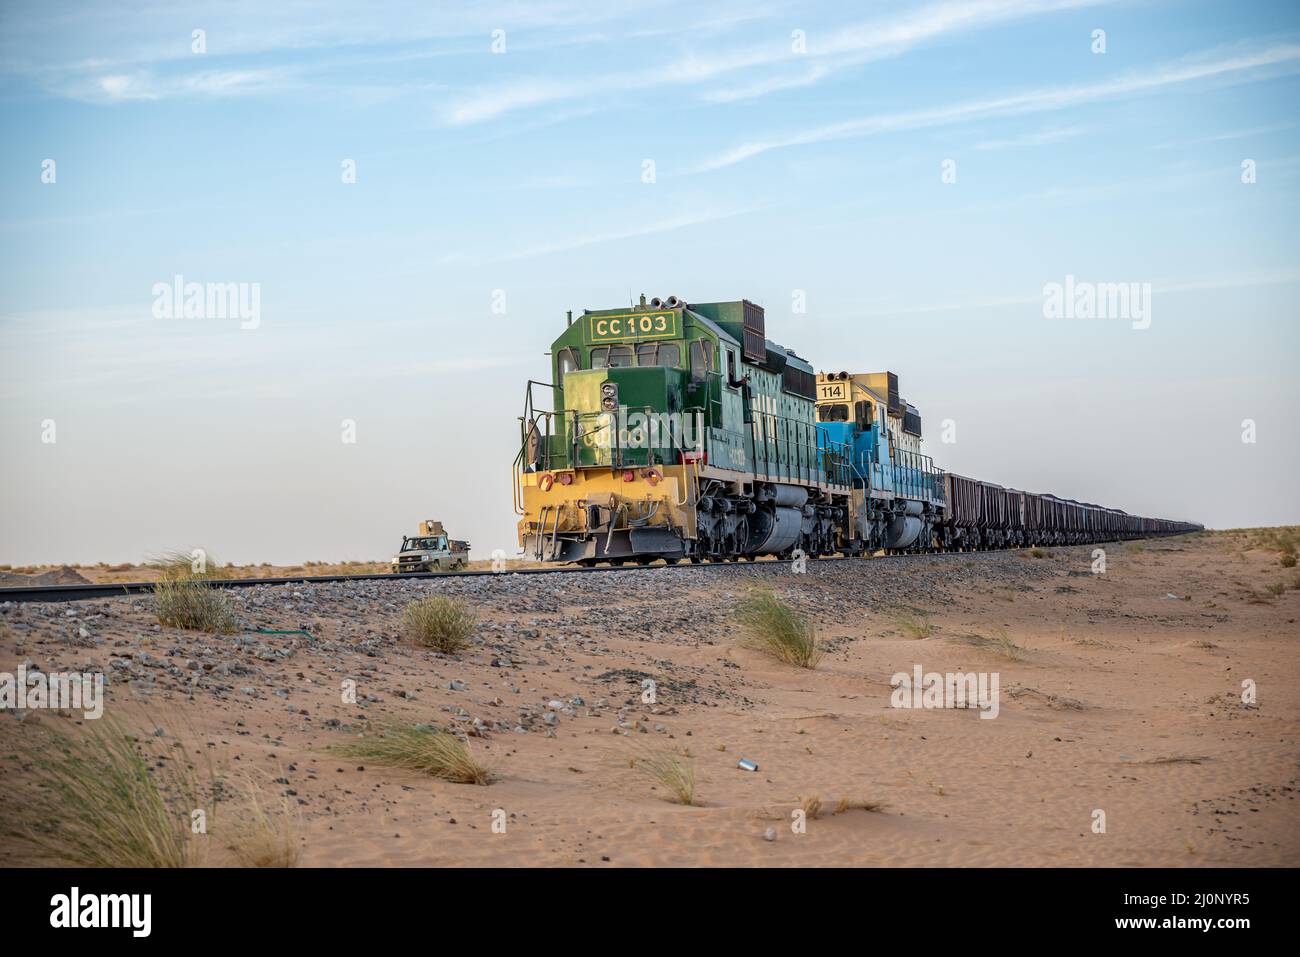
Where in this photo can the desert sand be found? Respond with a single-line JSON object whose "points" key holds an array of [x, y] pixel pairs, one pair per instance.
{"points": [[1120, 692]]}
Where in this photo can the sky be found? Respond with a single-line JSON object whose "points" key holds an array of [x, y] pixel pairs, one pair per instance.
{"points": [[417, 192]]}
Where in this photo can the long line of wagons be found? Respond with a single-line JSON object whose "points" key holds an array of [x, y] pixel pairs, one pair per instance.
{"points": [[983, 515], [674, 430]]}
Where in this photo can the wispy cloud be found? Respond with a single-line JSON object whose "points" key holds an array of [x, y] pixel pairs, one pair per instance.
{"points": [[1034, 297], [1035, 101], [596, 239], [119, 87], [1223, 137], [144, 52], [1041, 138], [786, 66]]}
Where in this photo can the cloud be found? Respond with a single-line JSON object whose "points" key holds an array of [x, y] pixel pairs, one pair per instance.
{"points": [[143, 52], [147, 86], [1279, 277], [826, 53], [1035, 101], [596, 239], [1031, 139]]}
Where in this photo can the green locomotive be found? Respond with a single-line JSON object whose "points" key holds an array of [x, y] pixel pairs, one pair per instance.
{"points": [[676, 431]]}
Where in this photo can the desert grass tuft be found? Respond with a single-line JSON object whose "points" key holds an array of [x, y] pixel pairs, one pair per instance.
{"points": [[999, 644], [102, 797], [263, 835], [773, 627], [441, 623], [913, 624], [418, 747], [813, 806], [180, 565], [670, 767], [193, 604], [857, 804], [184, 599]]}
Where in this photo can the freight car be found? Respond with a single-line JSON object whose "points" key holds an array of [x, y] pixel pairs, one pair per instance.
{"points": [[679, 431]]}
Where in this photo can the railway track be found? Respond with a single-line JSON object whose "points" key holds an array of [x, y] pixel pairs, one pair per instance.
{"points": [[91, 590]]}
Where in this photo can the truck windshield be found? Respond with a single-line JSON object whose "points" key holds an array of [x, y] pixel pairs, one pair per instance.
{"points": [[425, 543]]}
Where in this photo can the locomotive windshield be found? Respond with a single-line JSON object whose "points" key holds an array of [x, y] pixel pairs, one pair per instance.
{"points": [[668, 354], [833, 413], [611, 357]]}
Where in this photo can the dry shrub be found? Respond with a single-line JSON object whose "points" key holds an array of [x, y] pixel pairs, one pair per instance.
{"points": [[774, 628], [441, 623], [670, 767], [418, 747], [100, 796]]}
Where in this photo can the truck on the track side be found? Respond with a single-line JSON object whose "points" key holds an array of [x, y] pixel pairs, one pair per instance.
{"points": [[430, 551]]}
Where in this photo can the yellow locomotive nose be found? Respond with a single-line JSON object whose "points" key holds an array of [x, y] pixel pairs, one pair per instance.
{"points": [[601, 514]]}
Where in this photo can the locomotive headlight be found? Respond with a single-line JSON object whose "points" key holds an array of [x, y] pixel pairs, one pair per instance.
{"points": [[609, 396]]}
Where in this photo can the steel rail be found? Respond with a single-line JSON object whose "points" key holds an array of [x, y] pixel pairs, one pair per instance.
{"points": [[88, 590], [92, 590]]}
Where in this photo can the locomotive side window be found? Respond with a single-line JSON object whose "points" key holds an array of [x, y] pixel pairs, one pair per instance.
{"points": [[862, 412], [833, 413], [699, 360], [566, 362]]}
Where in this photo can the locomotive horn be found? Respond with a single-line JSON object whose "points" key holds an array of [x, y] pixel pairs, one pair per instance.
{"points": [[672, 302], [656, 302]]}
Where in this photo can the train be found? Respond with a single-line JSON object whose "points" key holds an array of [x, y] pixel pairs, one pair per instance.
{"points": [[678, 431]]}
